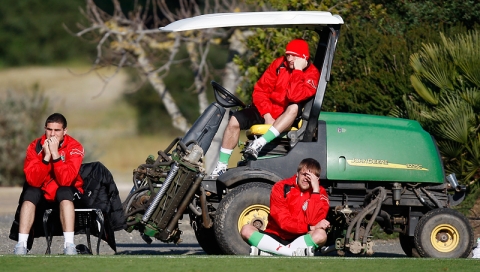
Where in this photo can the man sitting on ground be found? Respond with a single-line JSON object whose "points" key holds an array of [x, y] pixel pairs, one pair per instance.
{"points": [[296, 223]]}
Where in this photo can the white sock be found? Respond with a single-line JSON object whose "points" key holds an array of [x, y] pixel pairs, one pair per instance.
{"points": [[299, 242], [23, 237], [226, 151], [271, 245], [68, 237], [274, 131]]}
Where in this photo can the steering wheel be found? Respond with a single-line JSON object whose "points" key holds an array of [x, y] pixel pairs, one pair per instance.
{"points": [[226, 98]]}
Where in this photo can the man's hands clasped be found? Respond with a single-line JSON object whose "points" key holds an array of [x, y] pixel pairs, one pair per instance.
{"points": [[50, 148]]}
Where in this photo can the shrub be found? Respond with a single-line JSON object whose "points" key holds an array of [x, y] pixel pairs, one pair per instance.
{"points": [[22, 113]]}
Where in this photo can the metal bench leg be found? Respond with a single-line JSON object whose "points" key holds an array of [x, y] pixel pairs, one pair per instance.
{"points": [[87, 231], [101, 220], [45, 229]]}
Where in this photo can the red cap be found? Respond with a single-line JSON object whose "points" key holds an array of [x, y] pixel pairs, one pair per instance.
{"points": [[299, 48]]}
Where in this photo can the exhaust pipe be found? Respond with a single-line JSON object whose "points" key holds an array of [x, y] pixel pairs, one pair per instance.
{"points": [[452, 179]]}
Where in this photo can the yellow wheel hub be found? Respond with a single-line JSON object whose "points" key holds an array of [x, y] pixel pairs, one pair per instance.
{"points": [[445, 238], [255, 215]]}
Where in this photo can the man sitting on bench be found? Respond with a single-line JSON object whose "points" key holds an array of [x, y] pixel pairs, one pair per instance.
{"points": [[278, 95], [51, 168]]}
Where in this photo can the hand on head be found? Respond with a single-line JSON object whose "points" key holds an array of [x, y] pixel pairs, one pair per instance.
{"points": [[299, 63], [314, 181]]}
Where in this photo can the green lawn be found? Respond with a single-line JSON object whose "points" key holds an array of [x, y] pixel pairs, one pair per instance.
{"points": [[230, 263]]}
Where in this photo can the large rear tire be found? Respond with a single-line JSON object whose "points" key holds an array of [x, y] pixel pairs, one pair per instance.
{"points": [[205, 237], [247, 204], [408, 245], [443, 233]]}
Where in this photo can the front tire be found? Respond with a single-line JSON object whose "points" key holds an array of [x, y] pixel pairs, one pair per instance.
{"points": [[247, 204], [206, 238], [443, 233], [408, 245]]}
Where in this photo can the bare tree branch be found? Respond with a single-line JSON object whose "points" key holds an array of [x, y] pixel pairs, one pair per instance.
{"points": [[107, 80], [130, 40]]}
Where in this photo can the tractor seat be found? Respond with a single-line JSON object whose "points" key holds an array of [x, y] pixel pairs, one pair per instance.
{"points": [[260, 129]]}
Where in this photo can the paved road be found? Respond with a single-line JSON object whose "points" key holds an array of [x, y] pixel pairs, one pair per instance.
{"points": [[131, 243]]}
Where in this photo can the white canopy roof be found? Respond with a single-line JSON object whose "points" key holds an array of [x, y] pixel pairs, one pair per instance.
{"points": [[271, 18]]}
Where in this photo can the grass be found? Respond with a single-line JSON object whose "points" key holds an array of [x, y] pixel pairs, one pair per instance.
{"points": [[230, 263]]}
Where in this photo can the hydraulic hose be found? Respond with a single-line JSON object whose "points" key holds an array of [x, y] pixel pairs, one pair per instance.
{"points": [[432, 197], [363, 215], [355, 219], [380, 200], [358, 219], [194, 210], [171, 145], [419, 196]]}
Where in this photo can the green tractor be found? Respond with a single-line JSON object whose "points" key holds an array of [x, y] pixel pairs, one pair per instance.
{"points": [[374, 168]]}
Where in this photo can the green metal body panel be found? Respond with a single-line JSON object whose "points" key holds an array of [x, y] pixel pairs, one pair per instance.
{"points": [[378, 148]]}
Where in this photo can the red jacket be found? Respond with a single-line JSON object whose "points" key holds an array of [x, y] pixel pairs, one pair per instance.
{"points": [[293, 212], [280, 86], [62, 172]]}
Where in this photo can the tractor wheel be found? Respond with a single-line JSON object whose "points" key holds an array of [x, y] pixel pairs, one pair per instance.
{"points": [[443, 233], [205, 237], [247, 204], [408, 246]]}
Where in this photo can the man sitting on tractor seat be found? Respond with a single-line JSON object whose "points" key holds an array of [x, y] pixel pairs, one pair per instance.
{"points": [[278, 97]]}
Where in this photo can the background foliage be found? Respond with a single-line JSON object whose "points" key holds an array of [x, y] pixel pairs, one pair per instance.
{"points": [[22, 114], [371, 67], [447, 100], [32, 32]]}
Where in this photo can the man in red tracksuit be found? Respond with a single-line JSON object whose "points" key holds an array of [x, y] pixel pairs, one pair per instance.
{"points": [[298, 208], [51, 169], [278, 97]]}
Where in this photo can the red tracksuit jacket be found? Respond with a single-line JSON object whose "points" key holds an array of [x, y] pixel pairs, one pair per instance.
{"points": [[62, 172], [292, 212], [280, 86]]}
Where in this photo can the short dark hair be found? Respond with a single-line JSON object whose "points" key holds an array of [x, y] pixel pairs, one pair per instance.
{"points": [[57, 118], [310, 164]]}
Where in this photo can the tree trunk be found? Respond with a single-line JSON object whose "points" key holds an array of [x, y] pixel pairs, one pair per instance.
{"points": [[178, 120], [198, 64], [230, 81]]}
